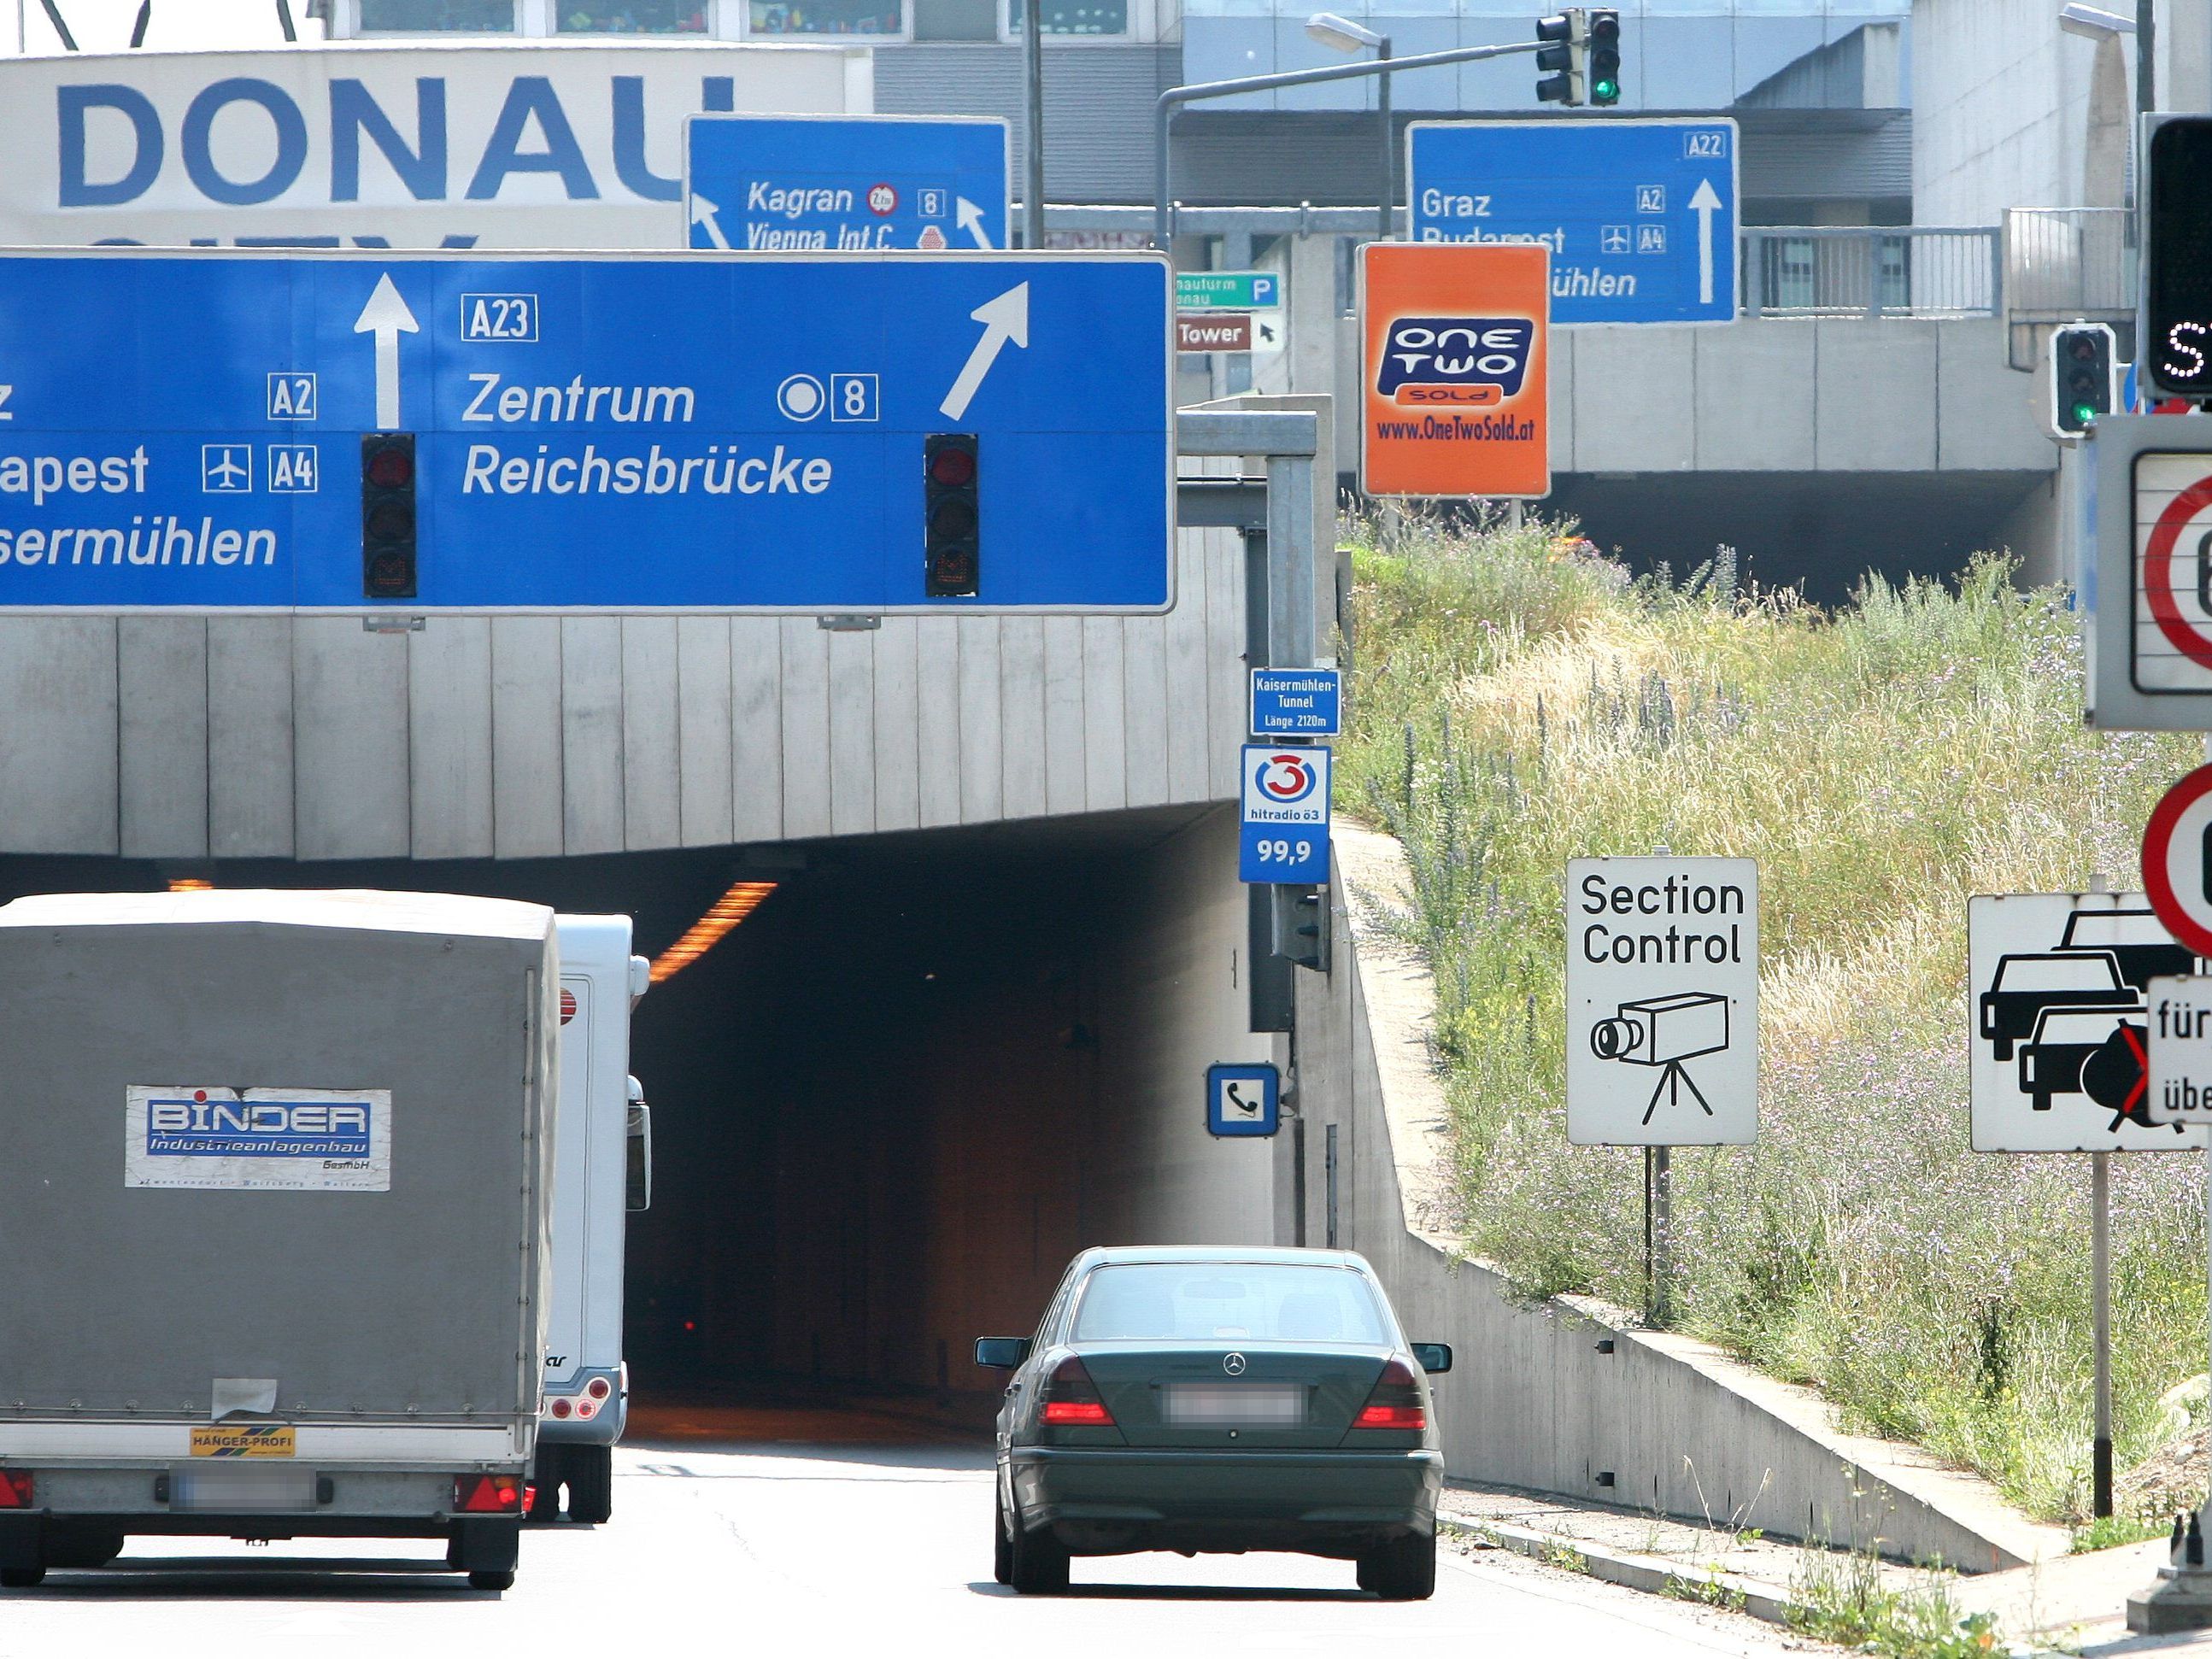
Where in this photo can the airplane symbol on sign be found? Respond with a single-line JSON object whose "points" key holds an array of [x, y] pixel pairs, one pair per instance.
{"points": [[226, 469]]}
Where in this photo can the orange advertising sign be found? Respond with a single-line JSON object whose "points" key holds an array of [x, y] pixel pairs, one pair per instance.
{"points": [[1454, 382]]}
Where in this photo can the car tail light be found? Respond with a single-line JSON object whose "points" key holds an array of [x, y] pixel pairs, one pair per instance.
{"points": [[586, 1408], [529, 1498], [598, 1388], [1071, 1398], [18, 1489], [561, 1408], [1395, 1403], [487, 1494]]}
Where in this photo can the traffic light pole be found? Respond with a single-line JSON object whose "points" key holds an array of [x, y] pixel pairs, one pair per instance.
{"points": [[1163, 110]]}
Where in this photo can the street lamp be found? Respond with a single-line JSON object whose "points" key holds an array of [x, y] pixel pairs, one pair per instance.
{"points": [[1342, 34]]}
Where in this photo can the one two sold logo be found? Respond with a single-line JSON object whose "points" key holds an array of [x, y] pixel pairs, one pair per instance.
{"points": [[195, 1126], [1470, 361]]}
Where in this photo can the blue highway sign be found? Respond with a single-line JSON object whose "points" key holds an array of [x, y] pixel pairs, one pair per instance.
{"points": [[1296, 702], [845, 184], [1283, 835], [1244, 1099], [186, 430], [1640, 216]]}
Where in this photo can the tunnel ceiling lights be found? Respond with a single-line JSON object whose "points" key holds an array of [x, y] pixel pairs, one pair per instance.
{"points": [[742, 898]]}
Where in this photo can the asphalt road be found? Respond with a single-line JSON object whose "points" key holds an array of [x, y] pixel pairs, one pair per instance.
{"points": [[818, 1534]]}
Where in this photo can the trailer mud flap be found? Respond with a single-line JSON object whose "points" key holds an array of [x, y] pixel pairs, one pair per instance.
{"points": [[22, 1541], [491, 1544]]}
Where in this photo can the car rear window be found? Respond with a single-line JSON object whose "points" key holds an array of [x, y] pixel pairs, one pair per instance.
{"points": [[1243, 1302]]}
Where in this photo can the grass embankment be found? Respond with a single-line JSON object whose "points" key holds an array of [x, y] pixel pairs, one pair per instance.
{"points": [[1519, 704]]}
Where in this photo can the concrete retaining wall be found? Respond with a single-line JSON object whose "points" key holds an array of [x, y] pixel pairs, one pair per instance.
{"points": [[1535, 1400]]}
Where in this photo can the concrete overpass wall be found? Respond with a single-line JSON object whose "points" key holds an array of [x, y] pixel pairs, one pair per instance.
{"points": [[1779, 395], [528, 737]]}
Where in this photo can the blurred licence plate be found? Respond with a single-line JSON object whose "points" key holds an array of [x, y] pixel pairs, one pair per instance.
{"points": [[235, 1488], [1234, 1402]]}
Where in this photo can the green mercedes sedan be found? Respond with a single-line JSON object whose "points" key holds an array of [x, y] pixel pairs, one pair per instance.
{"points": [[1214, 1399]]}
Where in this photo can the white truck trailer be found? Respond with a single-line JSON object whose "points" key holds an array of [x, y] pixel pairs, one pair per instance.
{"points": [[604, 1162], [274, 1213]]}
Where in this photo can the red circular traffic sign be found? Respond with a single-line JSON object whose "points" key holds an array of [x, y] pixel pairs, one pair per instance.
{"points": [[2176, 842], [2185, 636]]}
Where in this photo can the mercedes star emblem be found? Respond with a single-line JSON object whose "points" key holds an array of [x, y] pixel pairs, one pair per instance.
{"points": [[1233, 1363]]}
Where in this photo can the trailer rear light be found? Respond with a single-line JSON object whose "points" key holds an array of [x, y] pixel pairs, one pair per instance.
{"points": [[586, 1408], [560, 1409], [18, 1489], [1071, 1398], [487, 1494], [598, 1388], [1395, 1403]]}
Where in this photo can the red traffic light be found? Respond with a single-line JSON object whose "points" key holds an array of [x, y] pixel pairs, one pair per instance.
{"points": [[952, 468], [391, 468]]}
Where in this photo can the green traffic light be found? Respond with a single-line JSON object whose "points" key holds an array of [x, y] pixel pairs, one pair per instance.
{"points": [[1606, 91], [2085, 413]]}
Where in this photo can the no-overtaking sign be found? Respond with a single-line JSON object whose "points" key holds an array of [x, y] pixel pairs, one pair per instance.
{"points": [[1662, 1001]]}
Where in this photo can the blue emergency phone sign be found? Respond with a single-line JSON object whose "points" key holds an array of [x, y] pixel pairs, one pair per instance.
{"points": [[851, 183], [1296, 702], [1243, 1100]]}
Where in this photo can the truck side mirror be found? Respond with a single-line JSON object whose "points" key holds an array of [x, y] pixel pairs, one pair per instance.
{"points": [[637, 1161]]}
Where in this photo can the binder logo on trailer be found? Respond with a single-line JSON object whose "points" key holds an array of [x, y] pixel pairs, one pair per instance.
{"points": [[1454, 395], [290, 1140]]}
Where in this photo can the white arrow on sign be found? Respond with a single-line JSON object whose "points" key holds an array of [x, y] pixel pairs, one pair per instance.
{"points": [[970, 218], [386, 316], [703, 213], [1006, 318], [1705, 204]]}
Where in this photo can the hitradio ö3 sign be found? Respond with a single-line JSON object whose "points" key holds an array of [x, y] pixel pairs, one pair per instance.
{"points": [[2060, 1021], [1662, 1001]]}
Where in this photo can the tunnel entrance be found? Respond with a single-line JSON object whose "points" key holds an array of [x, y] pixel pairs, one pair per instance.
{"points": [[892, 1102]]}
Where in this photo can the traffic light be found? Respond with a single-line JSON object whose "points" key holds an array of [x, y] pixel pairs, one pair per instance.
{"points": [[2175, 358], [2082, 379], [1603, 59], [1560, 59], [952, 559], [387, 515]]}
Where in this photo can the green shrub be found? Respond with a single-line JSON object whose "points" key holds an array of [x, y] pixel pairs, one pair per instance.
{"points": [[1518, 701]]}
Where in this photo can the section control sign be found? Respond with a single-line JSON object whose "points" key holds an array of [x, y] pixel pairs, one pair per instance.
{"points": [[689, 432], [845, 184], [2060, 1022], [1639, 216], [1662, 1002], [1283, 835]]}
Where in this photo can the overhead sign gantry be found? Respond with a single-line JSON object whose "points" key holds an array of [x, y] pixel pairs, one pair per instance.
{"points": [[350, 432]]}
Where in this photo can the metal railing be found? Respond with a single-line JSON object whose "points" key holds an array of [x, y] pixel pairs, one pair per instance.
{"points": [[1871, 270], [2066, 264]]}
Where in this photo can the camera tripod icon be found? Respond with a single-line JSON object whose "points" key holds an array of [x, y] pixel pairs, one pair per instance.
{"points": [[1664, 1031]]}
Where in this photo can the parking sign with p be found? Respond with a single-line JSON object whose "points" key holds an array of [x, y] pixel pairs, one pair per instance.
{"points": [[1453, 378]]}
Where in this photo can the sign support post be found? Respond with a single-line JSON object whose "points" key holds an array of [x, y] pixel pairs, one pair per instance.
{"points": [[2100, 1316], [1658, 1237], [2100, 1321]]}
